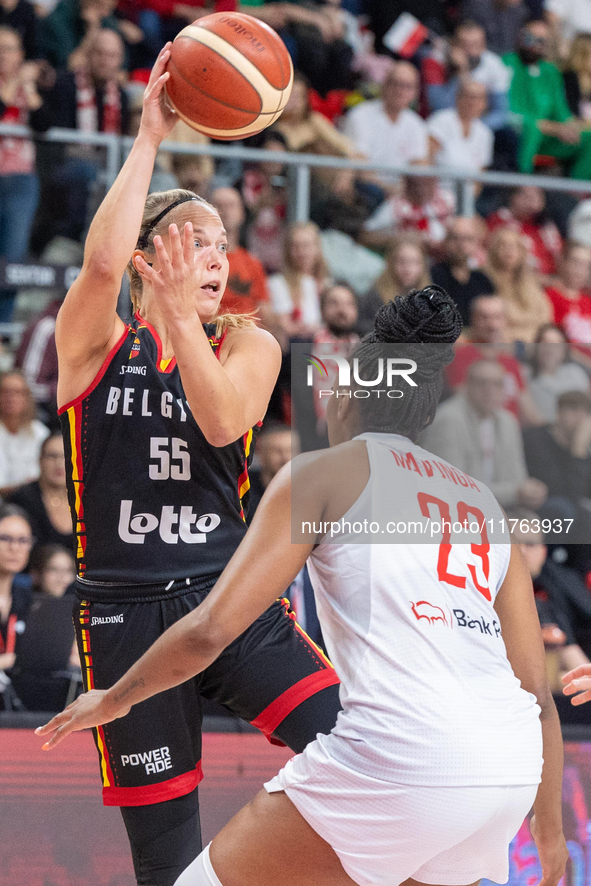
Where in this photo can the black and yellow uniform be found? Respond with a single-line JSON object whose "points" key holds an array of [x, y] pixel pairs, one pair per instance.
{"points": [[158, 513]]}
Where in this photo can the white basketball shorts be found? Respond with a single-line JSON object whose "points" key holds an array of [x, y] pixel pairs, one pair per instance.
{"points": [[384, 833]]}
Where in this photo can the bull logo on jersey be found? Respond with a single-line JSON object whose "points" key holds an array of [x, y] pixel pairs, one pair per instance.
{"points": [[135, 348], [431, 613]]}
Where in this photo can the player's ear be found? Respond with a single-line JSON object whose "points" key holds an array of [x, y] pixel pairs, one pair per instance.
{"points": [[141, 254], [344, 397]]}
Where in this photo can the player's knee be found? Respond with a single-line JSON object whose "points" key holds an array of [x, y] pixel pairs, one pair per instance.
{"points": [[165, 838]]}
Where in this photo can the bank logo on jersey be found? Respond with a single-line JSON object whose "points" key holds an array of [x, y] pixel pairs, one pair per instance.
{"points": [[424, 611], [431, 613], [173, 525]]}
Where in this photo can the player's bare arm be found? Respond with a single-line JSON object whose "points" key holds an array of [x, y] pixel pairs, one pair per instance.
{"points": [[265, 563], [520, 624], [88, 325]]}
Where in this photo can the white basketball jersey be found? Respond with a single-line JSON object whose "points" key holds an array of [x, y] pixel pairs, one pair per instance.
{"points": [[428, 694]]}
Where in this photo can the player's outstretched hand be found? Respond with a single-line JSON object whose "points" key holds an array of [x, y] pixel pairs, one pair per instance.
{"points": [[158, 119], [578, 680], [553, 855], [88, 710]]}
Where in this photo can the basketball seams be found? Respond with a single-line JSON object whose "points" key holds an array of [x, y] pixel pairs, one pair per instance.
{"points": [[228, 52], [214, 98], [273, 46], [232, 76], [230, 134]]}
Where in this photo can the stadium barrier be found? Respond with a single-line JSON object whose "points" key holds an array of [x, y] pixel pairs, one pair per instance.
{"points": [[299, 167]]}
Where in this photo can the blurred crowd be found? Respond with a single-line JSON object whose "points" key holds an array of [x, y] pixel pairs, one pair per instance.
{"points": [[469, 85]]}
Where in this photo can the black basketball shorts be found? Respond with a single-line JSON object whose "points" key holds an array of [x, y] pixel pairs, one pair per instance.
{"points": [[273, 676]]}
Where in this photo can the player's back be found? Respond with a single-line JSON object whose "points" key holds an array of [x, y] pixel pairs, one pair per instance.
{"points": [[407, 611]]}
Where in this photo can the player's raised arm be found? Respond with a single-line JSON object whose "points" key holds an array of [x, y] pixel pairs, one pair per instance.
{"points": [[516, 609], [87, 325], [264, 565]]}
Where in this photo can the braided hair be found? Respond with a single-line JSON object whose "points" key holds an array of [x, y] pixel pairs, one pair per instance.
{"points": [[424, 325]]}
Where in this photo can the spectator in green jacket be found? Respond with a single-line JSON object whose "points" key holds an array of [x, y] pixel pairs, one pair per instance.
{"points": [[539, 109]]}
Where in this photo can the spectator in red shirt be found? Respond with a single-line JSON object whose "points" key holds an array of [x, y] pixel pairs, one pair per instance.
{"points": [[247, 282], [571, 296], [526, 214], [423, 206], [486, 339]]}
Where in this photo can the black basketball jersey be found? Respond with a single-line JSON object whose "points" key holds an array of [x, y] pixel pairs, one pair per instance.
{"points": [[151, 499]]}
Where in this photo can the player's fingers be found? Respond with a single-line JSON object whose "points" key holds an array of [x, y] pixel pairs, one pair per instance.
{"points": [[159, 64], [580, 671], [176, 246], [189, 244], [577, 685], [146, 271], [581, 699], [163, 256], [60, 733], [52, 724]]}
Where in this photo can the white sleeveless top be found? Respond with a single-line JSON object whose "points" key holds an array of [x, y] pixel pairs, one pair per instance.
{"points": [[428, 694]]}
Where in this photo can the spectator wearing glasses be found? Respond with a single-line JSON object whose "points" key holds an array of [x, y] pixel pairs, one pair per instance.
{"points": [[16, 541], [45, 500], [386, 130], [458, 138], [21, 434], [538, 103]]}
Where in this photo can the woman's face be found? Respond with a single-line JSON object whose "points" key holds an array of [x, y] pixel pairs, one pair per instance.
{"points": [[208, 230], [57, 575], [303, 250], [507, 254], [52, 463], [16, 541], [407, 266], [14, 396], [11, 55], [551, 351], [576, 268], [297, 104]]}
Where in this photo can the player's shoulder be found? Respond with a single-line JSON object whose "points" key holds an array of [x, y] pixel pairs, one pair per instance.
{"points": [[251, 338]]}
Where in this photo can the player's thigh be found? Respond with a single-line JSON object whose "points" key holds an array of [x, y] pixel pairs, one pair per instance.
{"points": [[270, 843], [276, 678]]}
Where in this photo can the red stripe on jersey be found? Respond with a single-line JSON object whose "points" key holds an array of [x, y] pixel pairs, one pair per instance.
{"points": [[99, 375], [269, 719], [154, 793]]}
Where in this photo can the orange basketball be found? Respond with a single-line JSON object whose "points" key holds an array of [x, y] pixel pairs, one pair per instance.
{"points": [[230, 75]]}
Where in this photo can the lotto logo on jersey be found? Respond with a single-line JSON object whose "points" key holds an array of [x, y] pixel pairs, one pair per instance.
{"points": [[173, 525], [154, 761]]}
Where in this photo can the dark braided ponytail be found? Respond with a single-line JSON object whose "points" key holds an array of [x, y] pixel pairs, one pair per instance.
{"points": [[424, 326]]}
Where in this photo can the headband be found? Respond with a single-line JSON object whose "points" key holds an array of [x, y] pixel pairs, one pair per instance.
{"points": [[143, 241]]}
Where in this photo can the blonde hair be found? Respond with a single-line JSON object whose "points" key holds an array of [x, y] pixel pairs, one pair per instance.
{"points": [[155, 204], [387, 286], [292, 276], [579, 53], [527, 305]]}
